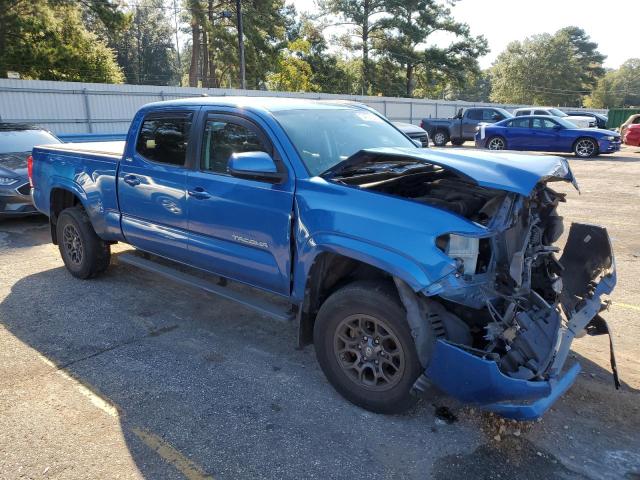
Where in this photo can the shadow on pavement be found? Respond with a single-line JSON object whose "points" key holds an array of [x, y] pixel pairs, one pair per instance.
{"points": [[24, 231], [226, 387]]}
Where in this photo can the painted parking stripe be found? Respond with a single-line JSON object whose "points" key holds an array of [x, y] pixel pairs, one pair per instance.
{"points": [[172, 456], [627, 306]]}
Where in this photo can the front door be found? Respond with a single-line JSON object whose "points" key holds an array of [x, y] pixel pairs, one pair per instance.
{"points": [[238, 228], [152, 184], [544, 137]]}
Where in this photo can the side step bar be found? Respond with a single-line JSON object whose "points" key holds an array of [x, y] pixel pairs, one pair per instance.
{"points": [[265, 308]]}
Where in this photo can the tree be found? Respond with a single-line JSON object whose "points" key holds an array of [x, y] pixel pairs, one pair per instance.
{"points": [[548, 69], [618, 88], [293, 73], [48, 40], [145, 49], [409, 26], [365, 17], [329, 73]]}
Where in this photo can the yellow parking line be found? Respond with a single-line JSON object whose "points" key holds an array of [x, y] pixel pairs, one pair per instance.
{"points": [[626, 305], [189, 469]]}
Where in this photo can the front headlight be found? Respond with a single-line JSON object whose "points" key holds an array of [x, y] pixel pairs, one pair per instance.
{"points": [[464, 250], [6, 181], [611, 138]]}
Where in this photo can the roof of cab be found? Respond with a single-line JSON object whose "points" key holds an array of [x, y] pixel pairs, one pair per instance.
{"points": [[264, 104]]}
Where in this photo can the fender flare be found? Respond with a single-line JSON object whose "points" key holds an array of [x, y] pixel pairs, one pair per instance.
{"points": [[395, 263]]}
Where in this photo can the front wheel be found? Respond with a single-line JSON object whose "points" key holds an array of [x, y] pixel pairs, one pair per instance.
{"points": [[496, 143], [364, 346], [84, 253], [585, 148]]}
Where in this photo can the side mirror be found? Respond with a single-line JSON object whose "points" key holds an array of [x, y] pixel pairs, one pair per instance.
{"points": [[416, 142], [255, 166], [497, 117], [459, 115], [558, 127]]}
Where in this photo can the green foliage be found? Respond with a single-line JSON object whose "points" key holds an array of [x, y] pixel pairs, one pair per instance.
{"points": [[47, 40], [145, 48], [547, 69], [618, 88], [293, 73], [407, 30]]}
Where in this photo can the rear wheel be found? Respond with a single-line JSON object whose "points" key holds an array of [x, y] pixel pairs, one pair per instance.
{"points": [[440, 138], [84, 253], [585, 148], [365, 349], [496, 143]]}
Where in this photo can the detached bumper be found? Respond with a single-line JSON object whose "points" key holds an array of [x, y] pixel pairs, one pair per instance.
{"points": [[477, 381], [590, 273]]}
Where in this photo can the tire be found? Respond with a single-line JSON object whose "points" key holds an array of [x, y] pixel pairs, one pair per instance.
{"points": [[496, 143], [371, 310], [585, 147], [457, 142], [84, 253], [440, 138]]}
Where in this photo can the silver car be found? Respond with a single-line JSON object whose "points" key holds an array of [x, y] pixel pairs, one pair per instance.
{"points": [[16, 143]]}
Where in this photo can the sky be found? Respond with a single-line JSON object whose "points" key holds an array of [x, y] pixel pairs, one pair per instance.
{"points": [[613, 24]]}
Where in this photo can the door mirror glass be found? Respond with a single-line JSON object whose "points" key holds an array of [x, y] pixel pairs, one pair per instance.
{"points": [[557, 127], [255, 166]]}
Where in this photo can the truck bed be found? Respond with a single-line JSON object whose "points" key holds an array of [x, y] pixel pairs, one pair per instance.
{"points": [[89, 170], [110, 149]]}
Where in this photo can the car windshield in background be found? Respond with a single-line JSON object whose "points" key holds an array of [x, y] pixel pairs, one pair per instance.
{"points": [[325, 137], [557, 113], [14, 141]]}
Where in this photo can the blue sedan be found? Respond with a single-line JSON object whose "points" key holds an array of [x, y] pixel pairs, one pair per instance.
{"points": [[546, 134]]}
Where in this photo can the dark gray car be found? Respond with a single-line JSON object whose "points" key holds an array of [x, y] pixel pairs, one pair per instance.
{"points": [[414, 133], [16, 143]]}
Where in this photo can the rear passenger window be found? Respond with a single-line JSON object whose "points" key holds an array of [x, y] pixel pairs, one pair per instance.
{"points": [[165, 138], [520, 123], [474, 115], [223, 138]]}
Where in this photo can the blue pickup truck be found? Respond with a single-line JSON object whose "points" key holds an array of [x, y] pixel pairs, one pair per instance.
{"points": [[408, 269]]}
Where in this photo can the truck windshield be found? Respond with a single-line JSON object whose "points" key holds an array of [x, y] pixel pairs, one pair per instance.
{"points": [[325, 137], [557, 113]]}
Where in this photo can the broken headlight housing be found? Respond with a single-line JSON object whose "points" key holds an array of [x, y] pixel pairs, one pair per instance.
{"points": [[464, 250]]}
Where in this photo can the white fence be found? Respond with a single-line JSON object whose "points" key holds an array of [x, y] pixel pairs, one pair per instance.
{"points": [[74, 108]]}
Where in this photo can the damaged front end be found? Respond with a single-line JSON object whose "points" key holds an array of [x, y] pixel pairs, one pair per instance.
{"points": [[502, 324], [496, 331]]}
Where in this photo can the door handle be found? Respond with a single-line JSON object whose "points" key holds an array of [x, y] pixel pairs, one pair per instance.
{"points": [[131, 180], [199, 193]]}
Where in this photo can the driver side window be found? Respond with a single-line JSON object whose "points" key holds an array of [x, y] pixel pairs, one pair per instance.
{"points": [[222, 138]]}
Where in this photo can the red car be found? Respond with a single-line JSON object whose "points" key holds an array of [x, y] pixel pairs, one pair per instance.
{"points": [[632, 135]]}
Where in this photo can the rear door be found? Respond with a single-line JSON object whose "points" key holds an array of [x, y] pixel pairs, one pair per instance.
{"points": [[470, 121], [517, 133], [238, 228], [152, 184]]}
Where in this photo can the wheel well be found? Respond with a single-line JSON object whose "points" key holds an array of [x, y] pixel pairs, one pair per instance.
{"points": [[59, 200], [329, 272]]}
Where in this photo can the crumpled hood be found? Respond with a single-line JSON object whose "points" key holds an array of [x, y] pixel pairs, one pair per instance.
{"points": [[511, 172]]}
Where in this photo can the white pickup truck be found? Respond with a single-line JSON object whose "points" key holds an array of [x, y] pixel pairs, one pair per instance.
{"points": [[577, 120]]}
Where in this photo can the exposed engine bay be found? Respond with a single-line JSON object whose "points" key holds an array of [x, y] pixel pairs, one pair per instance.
{"points": [[513, 295]]}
